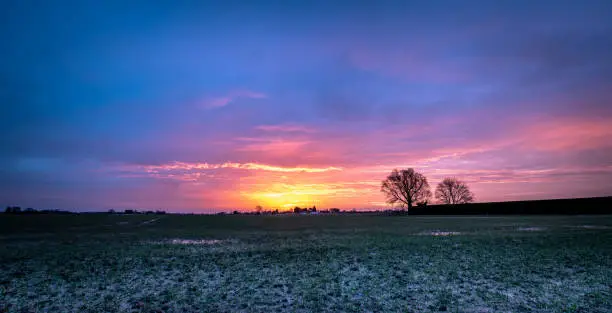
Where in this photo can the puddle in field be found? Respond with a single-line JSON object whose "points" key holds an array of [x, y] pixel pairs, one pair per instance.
{"points": [[593, 227], [150, 221], [179, 241], [440, 233], [531, 228]]}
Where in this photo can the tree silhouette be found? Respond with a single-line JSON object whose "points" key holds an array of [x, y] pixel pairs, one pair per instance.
{"points": [[406, 187], [12, 209], [453, 191], [258, 209]]}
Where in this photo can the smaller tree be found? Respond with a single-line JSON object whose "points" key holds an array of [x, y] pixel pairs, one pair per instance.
{"points": [[453, 191], [258, 209]]}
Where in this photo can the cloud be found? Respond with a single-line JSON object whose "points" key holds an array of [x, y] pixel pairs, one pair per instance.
{"points": [[271, 146], [175, 168], [289, 128], [569, 133], [217, 102]]}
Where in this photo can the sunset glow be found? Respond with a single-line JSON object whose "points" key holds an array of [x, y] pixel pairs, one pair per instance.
{"points": [[202, 107]]}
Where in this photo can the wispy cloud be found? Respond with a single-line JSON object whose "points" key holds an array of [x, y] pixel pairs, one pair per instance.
{"points": [[272, 146], [186, 167], [569, 133], [285, 128], [217, 102]]}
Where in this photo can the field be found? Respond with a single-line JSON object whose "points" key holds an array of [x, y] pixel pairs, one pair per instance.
{"points": [[344, 263]]}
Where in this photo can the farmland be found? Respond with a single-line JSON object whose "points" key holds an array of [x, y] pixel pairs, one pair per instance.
{"points": [[347, 262]]}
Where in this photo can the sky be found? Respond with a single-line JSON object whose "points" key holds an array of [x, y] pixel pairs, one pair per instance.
{"points": [[199, 106]]}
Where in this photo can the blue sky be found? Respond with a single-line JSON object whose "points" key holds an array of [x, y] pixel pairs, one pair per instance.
{"points": [[108, 104]]}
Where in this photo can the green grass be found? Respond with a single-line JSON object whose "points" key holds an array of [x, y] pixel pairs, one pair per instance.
{"points": [[348, 263]]}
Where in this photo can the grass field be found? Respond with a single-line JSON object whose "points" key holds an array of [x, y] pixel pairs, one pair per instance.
{"points": [[349, 263]]}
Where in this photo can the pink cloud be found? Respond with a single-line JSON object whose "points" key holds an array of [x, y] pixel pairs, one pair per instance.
{"points": [[285, 128], [271, 147], [568, 133]]}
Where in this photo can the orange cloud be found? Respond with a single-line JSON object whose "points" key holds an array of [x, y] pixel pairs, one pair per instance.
{"points": [[184, 166]]}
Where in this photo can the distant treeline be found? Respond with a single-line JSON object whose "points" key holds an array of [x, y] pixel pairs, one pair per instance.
{"points": [[18, 210], [111, 211], [601, 205], [296, 210]]}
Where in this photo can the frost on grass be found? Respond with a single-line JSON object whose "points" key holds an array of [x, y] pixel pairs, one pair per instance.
{"points": [[531, 228], [440, 233], [303, 270]]}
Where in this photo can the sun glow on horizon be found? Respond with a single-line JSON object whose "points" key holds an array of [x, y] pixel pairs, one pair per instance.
{"points": [[287, 196]]}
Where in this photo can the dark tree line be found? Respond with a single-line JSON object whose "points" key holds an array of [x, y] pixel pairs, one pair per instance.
{"points": [[18, 210], [297, 209], [129, 211]]}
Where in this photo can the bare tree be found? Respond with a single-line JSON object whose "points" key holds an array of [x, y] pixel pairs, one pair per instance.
{"points": [[453, 191], [406, 187]]}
